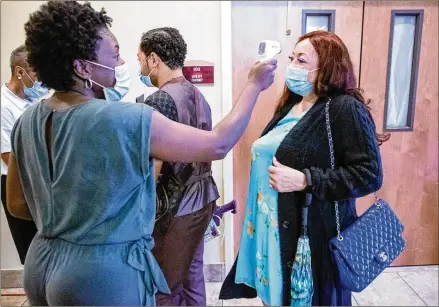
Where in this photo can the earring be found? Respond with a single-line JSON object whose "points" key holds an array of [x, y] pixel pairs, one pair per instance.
{"points": [[88, 84]]}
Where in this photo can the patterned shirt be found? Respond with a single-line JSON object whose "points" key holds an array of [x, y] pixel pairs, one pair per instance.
{"points": [[163, 103]]}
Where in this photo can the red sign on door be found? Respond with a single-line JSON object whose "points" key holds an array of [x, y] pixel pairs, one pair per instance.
{"points": [[199, 74]]}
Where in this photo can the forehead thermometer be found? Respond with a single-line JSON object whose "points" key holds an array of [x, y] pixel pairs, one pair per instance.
{"points": [[268, 49]]}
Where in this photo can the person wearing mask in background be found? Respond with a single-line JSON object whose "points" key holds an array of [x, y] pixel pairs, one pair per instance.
{"points": [[81, 163], [179, 235], [17, 95]]}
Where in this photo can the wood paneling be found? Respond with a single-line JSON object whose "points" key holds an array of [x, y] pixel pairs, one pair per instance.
{"points": [[253, 21], [410, 159]]}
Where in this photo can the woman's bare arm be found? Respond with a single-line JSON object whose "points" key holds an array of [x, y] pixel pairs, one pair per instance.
{"points": [[174, 142]]}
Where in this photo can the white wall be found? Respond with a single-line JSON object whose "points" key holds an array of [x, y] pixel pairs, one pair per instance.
{"points": [[198, 22], [13, 16]]}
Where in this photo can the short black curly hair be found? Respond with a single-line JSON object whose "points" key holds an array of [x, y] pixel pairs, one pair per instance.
{"points": [[168, 44], [59, 33]]}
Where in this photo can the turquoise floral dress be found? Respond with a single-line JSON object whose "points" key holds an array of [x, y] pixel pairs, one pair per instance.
{"points": [[258, 263]]}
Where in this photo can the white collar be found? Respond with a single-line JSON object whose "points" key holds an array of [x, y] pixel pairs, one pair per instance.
{"points": [[12, 97]]}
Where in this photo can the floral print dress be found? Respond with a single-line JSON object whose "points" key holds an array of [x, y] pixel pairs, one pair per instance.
{"points": [[258, 263]]}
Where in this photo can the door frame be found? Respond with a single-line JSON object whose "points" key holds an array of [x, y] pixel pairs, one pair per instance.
{"points": [[226, 106]]}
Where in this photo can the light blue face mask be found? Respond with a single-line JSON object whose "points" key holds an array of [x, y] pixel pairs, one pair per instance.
{"points": [[36, 92], [297, 80], [123, 82], [146, 79]]}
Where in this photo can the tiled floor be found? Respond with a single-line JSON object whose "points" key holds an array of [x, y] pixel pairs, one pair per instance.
{"points": [[15, 297], [403, 286]]}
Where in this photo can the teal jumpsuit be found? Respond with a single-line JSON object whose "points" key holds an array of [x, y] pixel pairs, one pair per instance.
{"points": [[93, 201]]}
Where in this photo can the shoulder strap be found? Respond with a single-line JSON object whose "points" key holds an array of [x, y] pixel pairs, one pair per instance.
{"points": [[331, 154], [332, 157]]}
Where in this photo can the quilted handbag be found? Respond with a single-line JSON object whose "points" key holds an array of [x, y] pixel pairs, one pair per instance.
{"points": [[363, 250]]}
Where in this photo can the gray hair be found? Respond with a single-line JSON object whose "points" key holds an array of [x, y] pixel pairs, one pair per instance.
{"points": [[18, 58]]}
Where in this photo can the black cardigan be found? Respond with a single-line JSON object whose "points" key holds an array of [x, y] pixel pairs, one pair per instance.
{"points": [[358, 173]]}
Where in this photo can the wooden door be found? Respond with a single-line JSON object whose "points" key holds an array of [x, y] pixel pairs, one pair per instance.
{"points": [[253, 21], [410, 158]]}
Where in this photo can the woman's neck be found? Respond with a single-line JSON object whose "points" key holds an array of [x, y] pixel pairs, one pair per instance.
{"points": [[64, 100], [306, 103]]}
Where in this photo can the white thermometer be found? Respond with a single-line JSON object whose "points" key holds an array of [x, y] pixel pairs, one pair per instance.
{"points": [[268, 49]]}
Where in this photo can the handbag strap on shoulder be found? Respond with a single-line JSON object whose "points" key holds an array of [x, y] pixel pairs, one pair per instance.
{"points": [[332, 157]]}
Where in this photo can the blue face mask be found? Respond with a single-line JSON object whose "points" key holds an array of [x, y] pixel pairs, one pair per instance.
{"points": [[297, 80], [146, 79], [36, 92], [123, 82]]}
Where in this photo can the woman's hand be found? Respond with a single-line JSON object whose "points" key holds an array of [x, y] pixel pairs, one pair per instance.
{"points": [[285, 179], [262, 74]]}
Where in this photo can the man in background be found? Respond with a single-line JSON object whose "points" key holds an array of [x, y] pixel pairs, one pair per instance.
{"points": [[17, 95], [178, 237]]}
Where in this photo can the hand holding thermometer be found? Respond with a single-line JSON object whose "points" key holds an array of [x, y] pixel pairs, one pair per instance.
{"points": [[268, 49]]}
